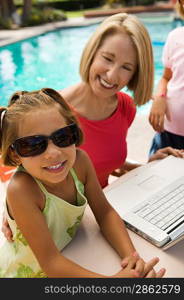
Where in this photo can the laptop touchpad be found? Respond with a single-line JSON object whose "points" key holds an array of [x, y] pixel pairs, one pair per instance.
{"points": [[151, 182]]}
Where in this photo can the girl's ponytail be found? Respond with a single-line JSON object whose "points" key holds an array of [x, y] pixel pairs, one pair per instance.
{"points": [[16, 96]]}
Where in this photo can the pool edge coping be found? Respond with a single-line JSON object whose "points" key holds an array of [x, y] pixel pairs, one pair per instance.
{"points": [[12, 36]]}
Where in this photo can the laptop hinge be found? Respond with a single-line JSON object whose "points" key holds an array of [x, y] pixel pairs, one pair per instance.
{"points": [[178, 230], [173, 226]]}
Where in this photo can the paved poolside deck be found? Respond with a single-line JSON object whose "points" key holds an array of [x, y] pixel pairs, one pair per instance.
{"points": [[15, 35]]}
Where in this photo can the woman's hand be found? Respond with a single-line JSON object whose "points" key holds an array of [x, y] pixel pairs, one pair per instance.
{"points": [[164, 152], [6, 229], [127, 166]]}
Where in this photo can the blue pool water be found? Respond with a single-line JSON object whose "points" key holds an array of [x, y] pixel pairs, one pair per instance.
{"points": [[52, 59]]}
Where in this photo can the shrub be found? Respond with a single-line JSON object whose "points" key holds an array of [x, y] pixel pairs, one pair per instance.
{"points": [[5, 24], [45, 15]]}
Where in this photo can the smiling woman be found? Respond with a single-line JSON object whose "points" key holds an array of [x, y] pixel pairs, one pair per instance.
{"points": [[114, 58]]}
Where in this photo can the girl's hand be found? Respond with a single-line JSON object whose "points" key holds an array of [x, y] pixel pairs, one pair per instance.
{"points": [[153, 274], [145, 269], [149, 271], [129, 270], [164, 152], [157, 113], [6, 229], [139, 265]]}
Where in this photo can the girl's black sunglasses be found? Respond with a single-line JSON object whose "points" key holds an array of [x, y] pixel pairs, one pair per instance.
{"points": [[37, 144]]}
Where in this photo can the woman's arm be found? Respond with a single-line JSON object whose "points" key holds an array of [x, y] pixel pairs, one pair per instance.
{"points": [[5, 228], [127, 166], [159, 154]]}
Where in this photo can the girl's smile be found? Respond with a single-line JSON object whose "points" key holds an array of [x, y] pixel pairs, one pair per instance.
{"points": [[55, 168]]}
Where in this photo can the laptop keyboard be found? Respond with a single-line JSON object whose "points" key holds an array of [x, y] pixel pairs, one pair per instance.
{"points": [[164, 208]]}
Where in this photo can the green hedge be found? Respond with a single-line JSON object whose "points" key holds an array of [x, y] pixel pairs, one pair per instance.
{"points": [[48, 14], [74, 4]]}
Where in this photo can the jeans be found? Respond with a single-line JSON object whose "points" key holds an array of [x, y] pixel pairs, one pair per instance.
{"points": [[166, 139]]}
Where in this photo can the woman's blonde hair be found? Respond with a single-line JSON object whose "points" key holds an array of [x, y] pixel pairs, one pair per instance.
{"points": [[180, 8], [142, 81], [22, 103]]}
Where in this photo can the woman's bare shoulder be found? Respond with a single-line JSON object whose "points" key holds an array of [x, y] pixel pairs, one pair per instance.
{"points": [[70, 92]]}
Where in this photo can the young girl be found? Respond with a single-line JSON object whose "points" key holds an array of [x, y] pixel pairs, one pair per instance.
{"points": [[48, 193], [166, 114]]}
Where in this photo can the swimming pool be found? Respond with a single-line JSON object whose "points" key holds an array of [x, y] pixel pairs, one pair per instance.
{"points": [[52, 59]]}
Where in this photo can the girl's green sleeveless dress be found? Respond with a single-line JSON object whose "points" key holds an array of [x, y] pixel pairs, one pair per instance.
{"points": [[17, 259]]}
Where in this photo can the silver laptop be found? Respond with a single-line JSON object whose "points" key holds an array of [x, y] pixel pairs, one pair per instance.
{"points": [[150, 200]]}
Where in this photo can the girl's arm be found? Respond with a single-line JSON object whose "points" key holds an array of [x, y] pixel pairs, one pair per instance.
{"points": [[159, 107], [24, 203]]}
